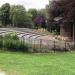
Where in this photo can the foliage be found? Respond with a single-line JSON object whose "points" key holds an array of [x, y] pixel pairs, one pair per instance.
{"points": [[1, 42], [5, 14], [63, 8], [11, 36], [33, 13], [17, 15], [13, 43], [28, 21], [40, 21]]}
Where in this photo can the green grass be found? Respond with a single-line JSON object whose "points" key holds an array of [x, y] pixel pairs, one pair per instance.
{"points": [[37, 64]]}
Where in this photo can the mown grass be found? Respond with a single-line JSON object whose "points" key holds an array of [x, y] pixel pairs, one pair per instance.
{"points": [[13, 63]]}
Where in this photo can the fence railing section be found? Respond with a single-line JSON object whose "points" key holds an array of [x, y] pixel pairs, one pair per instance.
{"points": [[42, 45]]}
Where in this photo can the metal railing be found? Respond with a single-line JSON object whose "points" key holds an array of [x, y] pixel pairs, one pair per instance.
{"points": [[42, 45]]}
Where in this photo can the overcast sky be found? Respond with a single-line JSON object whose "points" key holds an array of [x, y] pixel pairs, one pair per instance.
{"points": [[27, 3]]}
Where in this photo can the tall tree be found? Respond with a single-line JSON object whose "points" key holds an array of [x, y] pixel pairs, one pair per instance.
{"points": [[5, 14], [17, 15]]}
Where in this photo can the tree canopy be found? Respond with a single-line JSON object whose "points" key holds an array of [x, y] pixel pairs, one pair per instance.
{"points": [[63, 8], [16, 16]]}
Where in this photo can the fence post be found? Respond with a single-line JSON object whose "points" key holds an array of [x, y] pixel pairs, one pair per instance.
{"points": [[24, 39], [54, 46], [47, 44], [34, 45], [65, 46], [40, 43], [3, 44]]}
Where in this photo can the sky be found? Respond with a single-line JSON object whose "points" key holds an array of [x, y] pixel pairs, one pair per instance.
{"points": [[38, 4]]}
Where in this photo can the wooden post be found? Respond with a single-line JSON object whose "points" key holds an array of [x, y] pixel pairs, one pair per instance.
{"points": [[34, 45], [54, 46], [65, 46], [40, 43], [73, 34]]}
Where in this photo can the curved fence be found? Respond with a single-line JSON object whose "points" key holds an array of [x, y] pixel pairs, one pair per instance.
{"points": [[42, 45]]}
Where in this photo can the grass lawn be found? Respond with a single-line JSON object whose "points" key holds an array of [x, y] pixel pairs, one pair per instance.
{"points": [[37, 64]]}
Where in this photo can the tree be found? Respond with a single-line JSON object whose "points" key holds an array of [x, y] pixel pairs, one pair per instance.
{"points": [[19, 17], [5, 14], [63, 8], [28, 21], [33, 13], [40, 21]]}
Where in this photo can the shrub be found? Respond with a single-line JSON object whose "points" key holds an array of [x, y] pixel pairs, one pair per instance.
{"points": [[13, 43], [11, 36], [1, 42]]}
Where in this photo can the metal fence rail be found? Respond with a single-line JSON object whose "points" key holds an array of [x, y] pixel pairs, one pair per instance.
{"points": [[42, 45]]}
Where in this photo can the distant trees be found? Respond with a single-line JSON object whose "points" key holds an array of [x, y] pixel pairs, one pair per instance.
{"points": [[38, 18], [5, 14], [18, 15], [15, 16]]}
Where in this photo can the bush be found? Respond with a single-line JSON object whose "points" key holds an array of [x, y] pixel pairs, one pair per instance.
{"points": [[11, 36], [1, 42], [13, 43]]}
